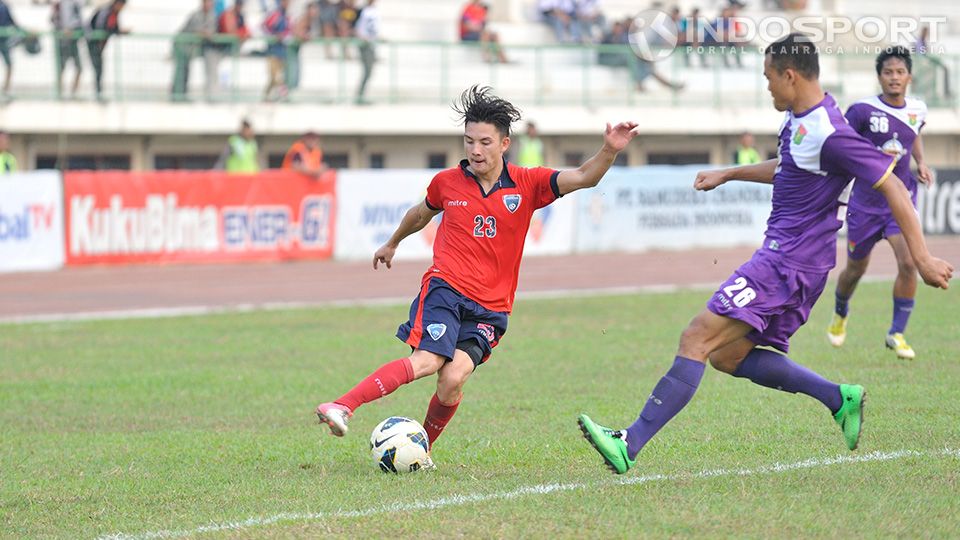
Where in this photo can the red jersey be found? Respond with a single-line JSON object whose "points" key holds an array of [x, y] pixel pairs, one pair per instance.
{"points": [[479, 243]]}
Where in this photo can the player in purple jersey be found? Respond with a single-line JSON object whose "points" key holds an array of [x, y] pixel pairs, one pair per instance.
{"points": [[891, 121], [768, 298]]}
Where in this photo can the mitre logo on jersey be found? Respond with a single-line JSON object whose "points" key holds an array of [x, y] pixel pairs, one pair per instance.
{"points": [[437, 330], [799, 135], [512, 202]]}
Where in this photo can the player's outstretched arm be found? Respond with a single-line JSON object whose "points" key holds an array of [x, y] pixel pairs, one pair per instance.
{"points": [[588, 175], [935, 272], [759, 172], [415, 219], [924, 174]]}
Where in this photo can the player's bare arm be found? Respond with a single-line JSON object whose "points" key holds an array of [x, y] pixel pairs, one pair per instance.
{"points": [[935, 272], [588, 175], [414, 220], [759, 172], [924, 174]]}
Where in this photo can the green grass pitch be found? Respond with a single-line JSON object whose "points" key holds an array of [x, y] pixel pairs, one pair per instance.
{"points": [[166, 426]]}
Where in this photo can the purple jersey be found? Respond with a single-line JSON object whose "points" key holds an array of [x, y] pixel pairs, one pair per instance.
{"points": [[893, 130], [819, 153]]}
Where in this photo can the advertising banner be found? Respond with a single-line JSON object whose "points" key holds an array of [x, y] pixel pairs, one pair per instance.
{"points": [[372, 202], [197, 216], [939, 205], [31, 221], [656, 207]]}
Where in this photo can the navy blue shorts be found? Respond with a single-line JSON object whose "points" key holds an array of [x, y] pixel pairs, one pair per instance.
{"points": [[441, 317]]}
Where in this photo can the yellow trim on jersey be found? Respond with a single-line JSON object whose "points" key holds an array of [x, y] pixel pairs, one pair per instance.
{"points": [[885, 175]]}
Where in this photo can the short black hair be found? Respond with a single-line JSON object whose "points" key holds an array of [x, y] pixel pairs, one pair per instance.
{"points": [[897, 51], [478, 104], [795, 52]]}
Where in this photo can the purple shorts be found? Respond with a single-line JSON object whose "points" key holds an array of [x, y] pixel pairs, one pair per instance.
{"points": [[864, 230], [772, 298]]}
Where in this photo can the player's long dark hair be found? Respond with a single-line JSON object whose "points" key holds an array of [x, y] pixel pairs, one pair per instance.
{"points": [[478, 104], [898, 51]]}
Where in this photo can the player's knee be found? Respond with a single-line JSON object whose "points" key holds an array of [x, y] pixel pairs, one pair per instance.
{"points": [[694, 339], [450, 384], [425, 363], [724, 362], [906, 267]]}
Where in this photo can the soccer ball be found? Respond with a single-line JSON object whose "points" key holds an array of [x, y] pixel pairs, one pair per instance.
{"points": [[399, 445]]}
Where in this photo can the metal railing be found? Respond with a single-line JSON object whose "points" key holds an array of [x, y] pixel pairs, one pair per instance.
{"points": [[143, 68]]}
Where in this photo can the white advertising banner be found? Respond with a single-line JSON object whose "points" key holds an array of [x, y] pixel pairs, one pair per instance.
{"points": [[31, 221], [656, 207], [371, 203]]}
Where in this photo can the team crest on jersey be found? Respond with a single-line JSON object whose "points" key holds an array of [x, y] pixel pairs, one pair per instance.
{"points": [[512, 202], [436, 330], [799, 135], [913, 119]]}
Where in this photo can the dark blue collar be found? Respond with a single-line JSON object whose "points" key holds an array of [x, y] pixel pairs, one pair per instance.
{"points": [[503, 182]]}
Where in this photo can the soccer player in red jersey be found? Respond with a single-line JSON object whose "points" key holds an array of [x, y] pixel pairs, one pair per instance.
{"points": [[467, 293]]}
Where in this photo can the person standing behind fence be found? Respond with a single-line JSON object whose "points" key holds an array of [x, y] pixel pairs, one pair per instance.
{"points": [[746, 153], [306, 156], [232, 30], [368, 29], [277, 28], [104, 23], [190, 42], [531, 148], [68, 25], [8, 163], [303, 31], [241, 155], [9, 34]]}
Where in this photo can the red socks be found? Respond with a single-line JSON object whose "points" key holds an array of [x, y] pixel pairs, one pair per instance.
{"points": [[438, 415], [381, 382]]}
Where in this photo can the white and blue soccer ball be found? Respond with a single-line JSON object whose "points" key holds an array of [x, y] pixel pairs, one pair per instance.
{"points": [[399, 445]]}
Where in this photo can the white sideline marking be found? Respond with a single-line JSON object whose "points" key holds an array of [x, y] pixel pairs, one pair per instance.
{"points": [[183, 311], [543, 489]]}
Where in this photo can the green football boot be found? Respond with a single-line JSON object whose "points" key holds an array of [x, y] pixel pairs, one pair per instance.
{"points": [[611, 444], [850, 415]]}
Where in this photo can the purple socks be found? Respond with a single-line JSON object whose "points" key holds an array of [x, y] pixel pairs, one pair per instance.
{"points": [[774, 370], [902, 307], [670, 395]]}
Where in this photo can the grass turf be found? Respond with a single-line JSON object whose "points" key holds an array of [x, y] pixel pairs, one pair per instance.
{"points": [[141, 426]]}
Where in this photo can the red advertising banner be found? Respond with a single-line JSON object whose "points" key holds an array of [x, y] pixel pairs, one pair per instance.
{"points": [[197, 216]]}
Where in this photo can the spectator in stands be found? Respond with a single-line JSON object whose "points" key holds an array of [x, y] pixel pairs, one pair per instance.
{"points": [[306, 156], [9, 34], [639, 68], [561, 16], [590, 20], [922, 48], [746, 153], [105, 23], [68, 25], [232, 27], [691, 29], [531, 148], [347, 16], [241, 155], [304, 29], [329, 15], [277, 28], [8, 163], [192, 41], [473, 28], [368, 31]]}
